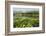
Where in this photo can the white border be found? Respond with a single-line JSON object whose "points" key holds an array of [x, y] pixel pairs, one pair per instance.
{"points": [[25, 29]]}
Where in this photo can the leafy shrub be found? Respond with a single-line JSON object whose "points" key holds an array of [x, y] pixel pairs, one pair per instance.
{"points": [[21, 22]]}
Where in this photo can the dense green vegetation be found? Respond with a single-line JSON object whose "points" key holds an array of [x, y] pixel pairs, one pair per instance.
{"points": [[23, 20]]}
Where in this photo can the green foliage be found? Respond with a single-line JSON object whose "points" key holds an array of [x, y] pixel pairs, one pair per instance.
{"points": [[21, 22]]}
